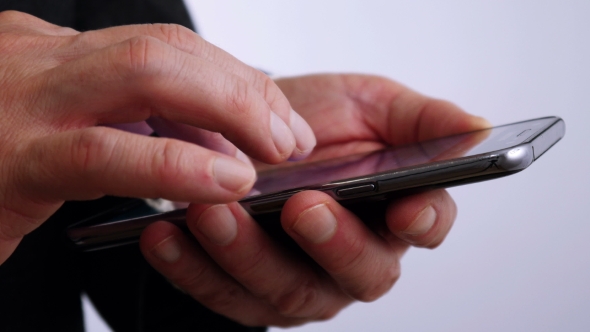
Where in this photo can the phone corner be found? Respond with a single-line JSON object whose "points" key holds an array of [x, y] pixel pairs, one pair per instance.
{"points": [[516, 158]]}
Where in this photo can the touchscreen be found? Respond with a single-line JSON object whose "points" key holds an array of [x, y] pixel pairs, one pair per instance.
{"points": [[395, 158]]}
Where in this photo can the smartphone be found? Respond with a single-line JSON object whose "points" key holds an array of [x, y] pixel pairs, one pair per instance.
{"points": [[362, 180]]}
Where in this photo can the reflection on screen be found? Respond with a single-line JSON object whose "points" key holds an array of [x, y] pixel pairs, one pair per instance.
{"points": [[391, 159]]}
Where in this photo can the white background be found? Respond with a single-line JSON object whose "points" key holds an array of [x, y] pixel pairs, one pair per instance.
{"points": [[518, 258]]}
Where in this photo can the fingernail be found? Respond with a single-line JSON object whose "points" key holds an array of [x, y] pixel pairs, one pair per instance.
{"points": [[423, 223], [281, 135], [218, 224], [167, 250], [316, 224], [304, 137], [479, 122], [233, 174], [243, 157]]}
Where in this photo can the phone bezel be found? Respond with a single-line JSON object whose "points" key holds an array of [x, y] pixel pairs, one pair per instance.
{"points": [[98, 233], [485, 165]]}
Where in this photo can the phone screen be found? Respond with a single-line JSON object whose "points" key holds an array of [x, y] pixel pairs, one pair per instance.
{"points": [[343, 173], [396, 158]]}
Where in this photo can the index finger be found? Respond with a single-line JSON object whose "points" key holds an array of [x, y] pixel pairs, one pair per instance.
{"points": [[144, 77], [191, 43]]}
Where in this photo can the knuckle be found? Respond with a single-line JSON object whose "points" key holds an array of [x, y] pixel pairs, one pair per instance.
{"points": [[223, 298], [379, 284], [350, 259], [175, 34], [191, 282], [168, 163], [83, 42], [240, 98], [202, 48], [272, 94], [359, 278], [186, 40], [269, 91], [91, 151], [66, 31], [140, 56], [299, 301], [246, 268]]}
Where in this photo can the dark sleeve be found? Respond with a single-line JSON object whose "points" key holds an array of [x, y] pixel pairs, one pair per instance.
{"points": [[99, 14], [132, 296], [84, 15], [61, 12], [40, 283]]}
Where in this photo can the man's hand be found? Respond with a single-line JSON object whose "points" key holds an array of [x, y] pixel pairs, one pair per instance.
{"points": [[59, 87], [238, 270]]}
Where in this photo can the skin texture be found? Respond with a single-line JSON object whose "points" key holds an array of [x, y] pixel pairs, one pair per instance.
{"points": [[60, 88], [238, 270]]}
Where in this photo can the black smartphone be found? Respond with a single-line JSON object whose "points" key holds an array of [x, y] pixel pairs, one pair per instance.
{"points": [[358, 180]]}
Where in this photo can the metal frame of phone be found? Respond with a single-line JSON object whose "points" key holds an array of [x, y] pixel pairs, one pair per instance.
{"points": [[92, 234]]}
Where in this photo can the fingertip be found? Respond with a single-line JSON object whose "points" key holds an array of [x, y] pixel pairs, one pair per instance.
{"points": [[241, 156], [478, 122], [217, 224], [316, 224], [193, 213], [282, 137], [304, 137], [161, 243], [309, 216], [167, 250], [233, 175], [299, 202], [422, 220]]}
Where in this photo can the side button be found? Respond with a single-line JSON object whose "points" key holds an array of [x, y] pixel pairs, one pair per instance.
{"points": [[355, 190]]}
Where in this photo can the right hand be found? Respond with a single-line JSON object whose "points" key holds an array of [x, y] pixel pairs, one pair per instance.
{"points": [[58, 86]]}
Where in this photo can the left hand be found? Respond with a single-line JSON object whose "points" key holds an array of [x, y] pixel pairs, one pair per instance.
{"points": [[237, 270]]}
